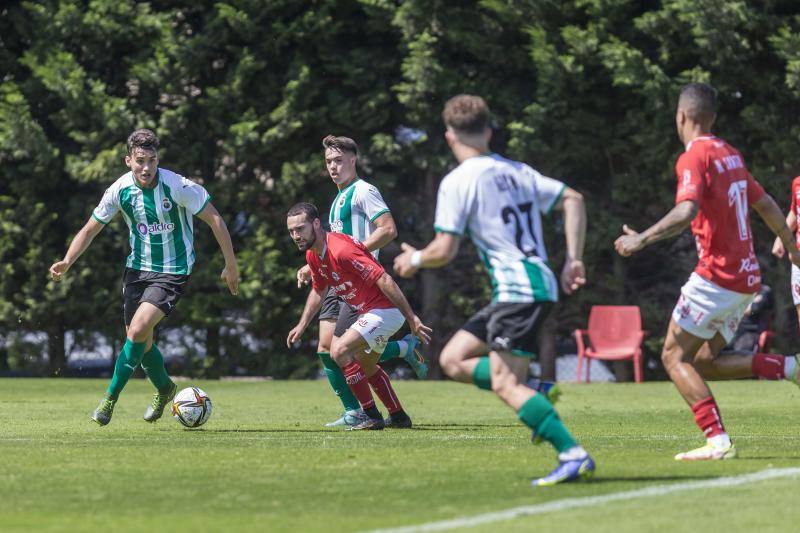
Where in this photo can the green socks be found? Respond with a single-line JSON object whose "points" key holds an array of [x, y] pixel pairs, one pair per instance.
{"points": [[539, 415], [153, 364], [338, 383], [128, 359], [482, 375], [391, 351]]}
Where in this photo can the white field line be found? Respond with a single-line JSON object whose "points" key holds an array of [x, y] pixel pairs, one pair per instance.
{"points": [[593, 501]]}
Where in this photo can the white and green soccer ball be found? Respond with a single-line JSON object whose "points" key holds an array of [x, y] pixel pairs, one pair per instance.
{"points": [[192, 407]]}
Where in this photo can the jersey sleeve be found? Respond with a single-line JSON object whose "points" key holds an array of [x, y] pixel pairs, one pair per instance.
{"points": [[371, 201], [548, 191], [690, 171], [452, 211], [795, 187], [317, 282], [357, 260], [108, 207], [755, 191], [191, 195]]}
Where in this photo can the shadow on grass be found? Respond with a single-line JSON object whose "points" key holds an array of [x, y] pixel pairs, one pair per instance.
{"points": [[265, 430], [637, 479]]}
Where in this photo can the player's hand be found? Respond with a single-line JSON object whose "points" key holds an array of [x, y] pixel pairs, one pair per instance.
{"points": [[303, 276], [58, 269], [230, 275], [629, 243], [402, 263], [420, 330], [294, 335], [778, 249], [573, 276]]}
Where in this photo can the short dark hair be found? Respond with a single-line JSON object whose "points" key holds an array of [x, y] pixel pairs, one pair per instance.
{"points": [[144, 139], [308, 209], [699, 101], [343, 144], [466, 113]]}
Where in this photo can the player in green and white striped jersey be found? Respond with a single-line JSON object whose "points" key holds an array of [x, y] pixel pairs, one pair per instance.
{"points": [[158, 206], [498, 202], [359, 211]]}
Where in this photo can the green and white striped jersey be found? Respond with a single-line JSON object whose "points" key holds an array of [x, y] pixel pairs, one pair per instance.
{"points": [[497, 202], [159, 220], [355, 209]]}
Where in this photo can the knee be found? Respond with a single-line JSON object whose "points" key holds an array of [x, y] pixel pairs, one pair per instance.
{"points": [[503, 384], [340, 354], [324, 347], [448, 361], [137, 332], [670, 359]]}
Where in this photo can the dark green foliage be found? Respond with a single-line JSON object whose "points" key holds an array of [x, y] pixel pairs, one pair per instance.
{"points": [[241, 93]]}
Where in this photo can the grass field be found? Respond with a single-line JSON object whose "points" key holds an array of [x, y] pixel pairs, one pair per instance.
{"points": [[263, 463]]}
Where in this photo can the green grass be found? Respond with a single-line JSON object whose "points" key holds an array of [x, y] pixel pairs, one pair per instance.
{"points": [[264, 463]]}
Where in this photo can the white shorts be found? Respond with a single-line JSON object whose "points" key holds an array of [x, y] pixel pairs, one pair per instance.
{"points": [[705, 309], [795, 285], [377, 326]]}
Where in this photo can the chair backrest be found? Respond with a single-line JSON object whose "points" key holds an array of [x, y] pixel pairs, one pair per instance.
{"points": [[613, 327]]}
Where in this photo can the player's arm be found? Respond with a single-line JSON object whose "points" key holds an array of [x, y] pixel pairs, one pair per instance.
{"points": [[312, 307], [673, 223], [773, 216], [791, 222], [389, 288], [571, 203], [439, 252], [79, 244], [385, 232], [230, 274]]}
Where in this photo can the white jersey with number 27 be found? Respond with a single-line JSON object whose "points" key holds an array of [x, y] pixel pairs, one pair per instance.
{"points": [[498, 202]]}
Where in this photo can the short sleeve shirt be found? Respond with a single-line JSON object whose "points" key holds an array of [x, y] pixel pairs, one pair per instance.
{"points": [[713, 174], [159, 220], [498, 202], [355, 209], [350, 270]]}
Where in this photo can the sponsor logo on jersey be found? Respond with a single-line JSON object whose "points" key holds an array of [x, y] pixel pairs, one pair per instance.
{"points": [[166, 204], [154, 229]]}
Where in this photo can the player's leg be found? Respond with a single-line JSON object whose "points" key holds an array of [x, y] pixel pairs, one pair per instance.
{"points": [[328, 319], [741, 365], [677, 356], [141, 327], [156, 371], [465, 356], [407, 349], [344, 352], [509, 373], [375, 327]]}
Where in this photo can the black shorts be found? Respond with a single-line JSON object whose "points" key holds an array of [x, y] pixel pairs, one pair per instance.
{"points": [[506, 326], [161, 290], [333, 308]]}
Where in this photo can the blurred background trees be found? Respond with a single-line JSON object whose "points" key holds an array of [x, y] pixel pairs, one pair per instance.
{"points": [[242, 92]]}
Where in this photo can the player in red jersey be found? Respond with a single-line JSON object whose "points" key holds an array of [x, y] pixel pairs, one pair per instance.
{"points": [[715, 194], [780, 250], [340, 262]]}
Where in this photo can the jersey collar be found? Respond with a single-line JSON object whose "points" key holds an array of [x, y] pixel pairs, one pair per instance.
{"points": [[701, 138]]}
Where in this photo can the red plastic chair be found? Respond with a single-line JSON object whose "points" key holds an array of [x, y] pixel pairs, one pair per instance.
{"points": [[765, 341], [615, 334]]}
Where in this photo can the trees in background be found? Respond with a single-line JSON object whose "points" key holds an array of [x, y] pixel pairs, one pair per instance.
{"points": [[242, 92]]}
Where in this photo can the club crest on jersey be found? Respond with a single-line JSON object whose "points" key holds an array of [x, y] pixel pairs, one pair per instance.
{"points": [[335, 276], [166, 204], [337, 226], [341, 201]]}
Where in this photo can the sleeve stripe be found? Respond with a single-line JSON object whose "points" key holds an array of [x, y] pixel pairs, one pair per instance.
{"points": [[439, 229], [204, 205], [98, 219], [379, 213], [556, 200]]}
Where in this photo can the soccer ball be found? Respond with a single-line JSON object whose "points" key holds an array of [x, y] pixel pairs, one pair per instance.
{"points": [[192, 407]]}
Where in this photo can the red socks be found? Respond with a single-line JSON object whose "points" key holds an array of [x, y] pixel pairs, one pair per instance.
{"points": [[356, 380], [768, 366], [706, 414], [383, 388]]}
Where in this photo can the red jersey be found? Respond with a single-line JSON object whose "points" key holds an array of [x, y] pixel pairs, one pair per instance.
{"points": [[712, 173], [348, 267], [796, 207]]}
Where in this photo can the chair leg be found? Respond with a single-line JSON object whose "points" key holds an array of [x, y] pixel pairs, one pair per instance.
{"points": [[578, 370], [588, 370], [637, 367]]}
